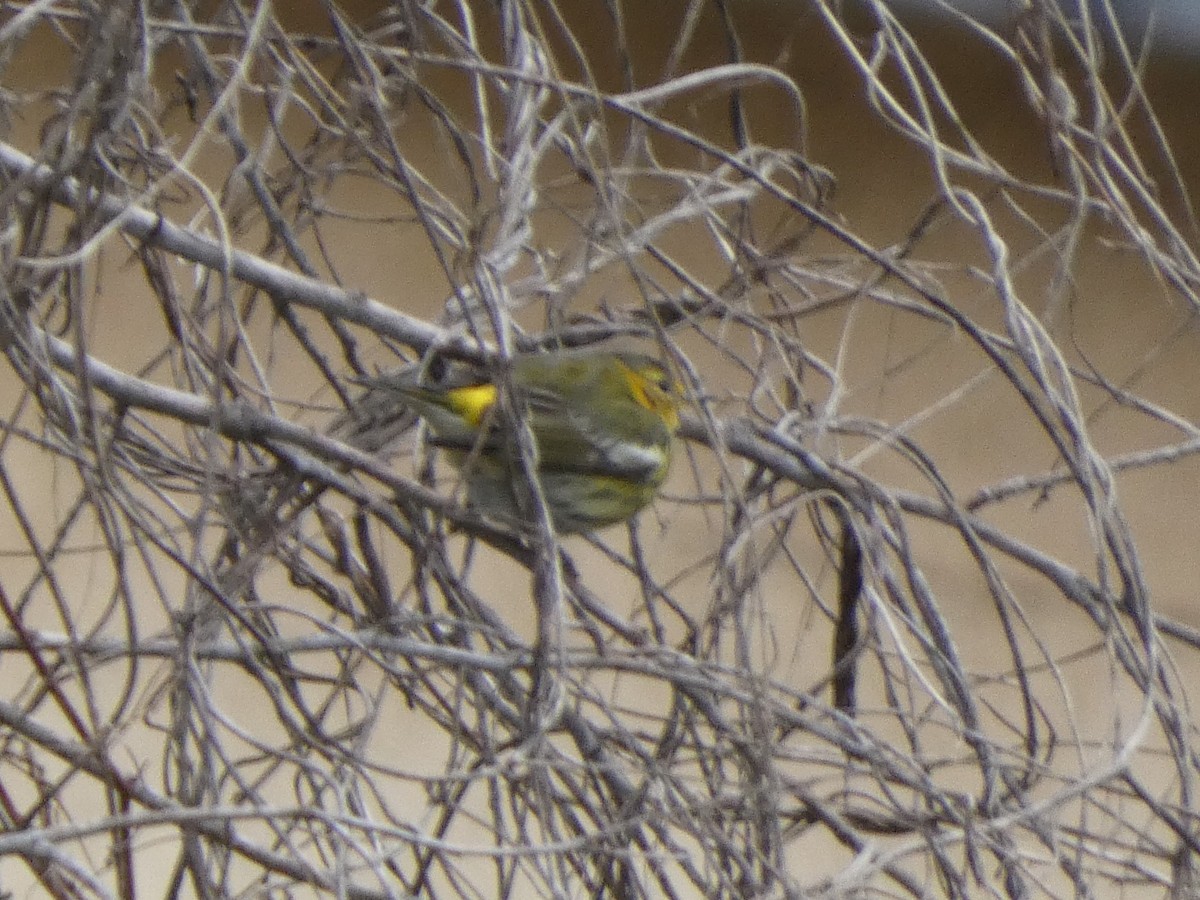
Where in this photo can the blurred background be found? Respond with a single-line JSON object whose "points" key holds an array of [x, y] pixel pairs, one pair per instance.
{"points": [[928, 273], [1165, 27]]}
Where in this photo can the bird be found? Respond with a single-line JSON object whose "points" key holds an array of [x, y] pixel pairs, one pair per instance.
{"points": [[603, 423]]}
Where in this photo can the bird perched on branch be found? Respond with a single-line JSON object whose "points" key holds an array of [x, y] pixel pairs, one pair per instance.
{"points": [[602, 423]]}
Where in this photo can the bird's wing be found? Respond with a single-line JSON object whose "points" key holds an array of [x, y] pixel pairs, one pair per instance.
{"points": [[571, 439]]}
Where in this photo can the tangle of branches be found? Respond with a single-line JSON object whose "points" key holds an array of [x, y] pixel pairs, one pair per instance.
{"points": [[829, 660]]}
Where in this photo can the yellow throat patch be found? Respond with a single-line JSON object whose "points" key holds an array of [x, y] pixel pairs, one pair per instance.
{"points": [[656, 390]]}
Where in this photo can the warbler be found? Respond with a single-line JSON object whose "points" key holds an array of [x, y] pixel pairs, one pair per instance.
{"points": [[602, 422]]}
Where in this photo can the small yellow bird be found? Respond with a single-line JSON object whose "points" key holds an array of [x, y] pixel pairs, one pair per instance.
{"points": [[602, 423]]}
